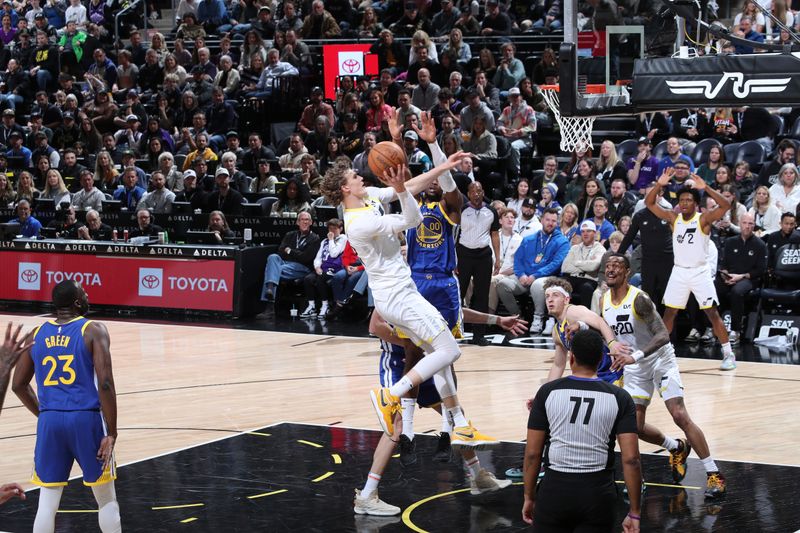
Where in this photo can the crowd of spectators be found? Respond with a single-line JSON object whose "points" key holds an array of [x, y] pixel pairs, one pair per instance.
{"points": [[85, 121]]}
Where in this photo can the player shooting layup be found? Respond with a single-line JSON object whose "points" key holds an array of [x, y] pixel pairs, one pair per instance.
{"points": [[374, 236]]}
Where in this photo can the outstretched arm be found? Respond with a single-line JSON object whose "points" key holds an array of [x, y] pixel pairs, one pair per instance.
{"points": [[512, 324], [559, 359], [577, 313], [651, 199], [420, 183], [10, 351], [22, 379], [645, 309]]}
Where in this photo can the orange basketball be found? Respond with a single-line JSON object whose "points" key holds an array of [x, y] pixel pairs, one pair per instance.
{"points": [[385, 155]]}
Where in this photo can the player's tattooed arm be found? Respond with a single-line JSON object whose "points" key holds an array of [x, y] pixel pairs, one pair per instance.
{"points": [[646, 310]]}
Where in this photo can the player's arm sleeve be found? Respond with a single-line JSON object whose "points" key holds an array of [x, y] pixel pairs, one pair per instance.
{"points": [[389, 224], [446, 181], [384, 195]]}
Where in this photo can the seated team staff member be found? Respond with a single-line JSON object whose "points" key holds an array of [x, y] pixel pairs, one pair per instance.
{"points": [[76, 403], [578, 418]]}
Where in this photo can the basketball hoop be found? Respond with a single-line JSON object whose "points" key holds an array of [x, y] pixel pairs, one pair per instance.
{"points": [[576, 132]]}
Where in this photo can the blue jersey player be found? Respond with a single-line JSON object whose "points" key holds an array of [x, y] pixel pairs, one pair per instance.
{"points": [[75, 402]]}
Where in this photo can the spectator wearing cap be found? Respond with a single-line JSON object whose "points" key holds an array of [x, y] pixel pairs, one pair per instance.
{"points": [[221, 119], [44, 66], [351, 138], [129, 135], [643, 167], [582, 264], [264, 25], [35, 126], [510, 70], [102, 73], [549, 193], [517, 123], [34, 9], [130, 193], [413, 153], [159, 199], [192, 192], [44, 24], [411, 22], [475, 108], [527, 223], [199, 85], [8, 126], [315, 108], [203, 151], [211, 14], [70, 45], [24, 49], [89, 196], [154, 130], [444, 21], [233, 145], [224, 198], [425, 94], [43, 148], [16, 149], [14, 83], [66, 83], [67, 134], [496, 22], [319, 24]]}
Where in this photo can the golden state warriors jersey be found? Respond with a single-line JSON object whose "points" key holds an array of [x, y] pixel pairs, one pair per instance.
{"points": [[604, 371], [689, 242], [64, 368], [431, 245]]}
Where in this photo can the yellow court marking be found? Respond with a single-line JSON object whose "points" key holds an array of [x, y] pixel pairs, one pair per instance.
{"points": [[410, 509], [192, 519], [307, 443], [183, 506], [326, 475], [77, 510], [265, 494], [337, 459], [667, 485], [259, 434]]}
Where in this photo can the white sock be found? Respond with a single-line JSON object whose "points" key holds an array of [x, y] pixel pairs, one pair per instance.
{"points": [[371, 486], [727, 351], [401, 387], [670, 444], [108, 514], [459, 420], [49, 498], [474, 466], [408, 416], [447, 424], [709, 465]]}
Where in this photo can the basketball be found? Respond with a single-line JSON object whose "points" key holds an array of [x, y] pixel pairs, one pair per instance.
{"points": [[385, 155]]}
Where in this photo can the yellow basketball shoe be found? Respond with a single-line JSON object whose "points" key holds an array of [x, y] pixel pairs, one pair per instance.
{"points": [[385, 406], [468, 436]]}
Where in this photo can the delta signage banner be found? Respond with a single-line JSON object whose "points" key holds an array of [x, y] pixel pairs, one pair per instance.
{"points": [[125, 281], [346, 60]]}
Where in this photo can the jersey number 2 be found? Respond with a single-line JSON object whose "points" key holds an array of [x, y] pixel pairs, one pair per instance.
{"points": [[577, 408], [68, 374]]}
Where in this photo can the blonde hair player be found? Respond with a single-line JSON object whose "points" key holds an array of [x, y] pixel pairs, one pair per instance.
{"points": [[691, 232], [630, 313], [375, 236]]}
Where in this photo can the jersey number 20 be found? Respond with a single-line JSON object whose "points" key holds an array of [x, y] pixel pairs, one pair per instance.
{"points": [[67, 376]]}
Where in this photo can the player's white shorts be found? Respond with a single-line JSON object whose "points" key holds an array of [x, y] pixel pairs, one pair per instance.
{"points": [[685, 281], [411, 314], [659, 370]]}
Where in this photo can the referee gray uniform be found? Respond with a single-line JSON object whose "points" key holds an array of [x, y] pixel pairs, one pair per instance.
{"points": [[474, 252], [581, 418]]}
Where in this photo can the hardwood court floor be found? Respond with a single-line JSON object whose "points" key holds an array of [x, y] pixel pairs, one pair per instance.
{"points": [[179, 386]]}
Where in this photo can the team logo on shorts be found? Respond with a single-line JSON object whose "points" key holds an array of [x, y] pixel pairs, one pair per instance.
{"points": [[151, 282], [30, 276]]}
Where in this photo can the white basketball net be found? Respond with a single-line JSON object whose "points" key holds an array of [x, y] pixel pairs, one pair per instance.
{"points": [[576, 132]]}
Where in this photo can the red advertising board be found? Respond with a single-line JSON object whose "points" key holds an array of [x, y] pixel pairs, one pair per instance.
{"points": [[126, 281], [346, 60]]}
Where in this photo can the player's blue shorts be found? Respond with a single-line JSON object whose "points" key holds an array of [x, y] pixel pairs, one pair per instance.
{"points": [[66, 436], [443, 293], [391, 371]]}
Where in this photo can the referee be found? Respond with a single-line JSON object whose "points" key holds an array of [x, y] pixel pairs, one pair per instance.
{"points": [[579, 417]]}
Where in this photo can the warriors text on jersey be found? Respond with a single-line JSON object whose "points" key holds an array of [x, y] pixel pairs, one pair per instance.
{"points": [[431, 244]]}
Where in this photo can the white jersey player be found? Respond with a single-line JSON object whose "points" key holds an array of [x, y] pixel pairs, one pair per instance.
{"points": [[690, 240]]}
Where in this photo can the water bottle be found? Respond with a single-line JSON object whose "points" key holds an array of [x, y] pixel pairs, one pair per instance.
{"points": [[293, 311]]}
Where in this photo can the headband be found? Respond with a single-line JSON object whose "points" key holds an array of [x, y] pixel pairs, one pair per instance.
{"points": [[556, 288]]}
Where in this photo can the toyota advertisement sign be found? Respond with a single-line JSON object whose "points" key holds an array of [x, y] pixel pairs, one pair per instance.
{"points": [[126, 281]]}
